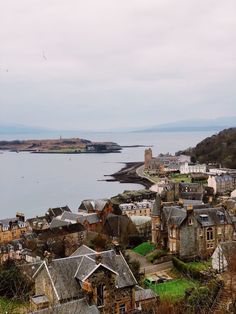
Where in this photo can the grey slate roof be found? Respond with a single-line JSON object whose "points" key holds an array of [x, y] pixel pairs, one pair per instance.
{"points": [[83, 250], [174, 215], [67, 273], [56, 223], [75, 307], [213, 216], [69, 216], [93, 205], [57, 211], [90, 218], [144, 294]]}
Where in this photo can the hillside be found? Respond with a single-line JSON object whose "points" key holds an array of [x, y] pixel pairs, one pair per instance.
{"points": [[219, 148]]}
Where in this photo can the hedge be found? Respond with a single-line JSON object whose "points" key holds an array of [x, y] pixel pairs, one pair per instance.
{"points": [[155, 255], [189, 270]]}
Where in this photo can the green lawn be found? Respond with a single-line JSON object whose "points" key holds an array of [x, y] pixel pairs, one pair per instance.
{"points": [[144, 248], [203, 265], [180, 178], [174, 289]]}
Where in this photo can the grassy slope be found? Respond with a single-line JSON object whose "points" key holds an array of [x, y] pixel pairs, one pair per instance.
{"points": [[144, 248]]}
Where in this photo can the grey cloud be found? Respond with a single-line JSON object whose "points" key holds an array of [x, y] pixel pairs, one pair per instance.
{"points": [[70, 61]]}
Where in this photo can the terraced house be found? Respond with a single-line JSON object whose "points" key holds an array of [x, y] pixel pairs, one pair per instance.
{"points": [[12, 228], [102, 282]]}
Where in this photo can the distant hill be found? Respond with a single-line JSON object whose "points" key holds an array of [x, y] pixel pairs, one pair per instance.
{"points": [[217, 124], [19, 129], [219, 148]]}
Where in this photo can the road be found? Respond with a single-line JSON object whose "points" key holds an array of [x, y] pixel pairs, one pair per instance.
{"points": [[156, 268]]}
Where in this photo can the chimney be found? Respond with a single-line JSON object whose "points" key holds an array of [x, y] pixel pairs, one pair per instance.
{"points": [[98, 258], [189, 209], [47, 257], [20, 216]]}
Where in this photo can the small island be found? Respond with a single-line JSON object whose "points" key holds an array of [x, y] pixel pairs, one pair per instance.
{"points": [[60, 146]]}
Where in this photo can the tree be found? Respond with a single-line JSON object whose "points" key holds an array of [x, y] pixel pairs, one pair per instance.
{"points": [[12, 283]]}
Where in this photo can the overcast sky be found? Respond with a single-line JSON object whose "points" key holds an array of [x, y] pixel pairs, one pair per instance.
{"points": [[107, 64]]}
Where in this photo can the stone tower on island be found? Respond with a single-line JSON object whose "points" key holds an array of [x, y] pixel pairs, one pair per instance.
{"points": [[156, 220]]}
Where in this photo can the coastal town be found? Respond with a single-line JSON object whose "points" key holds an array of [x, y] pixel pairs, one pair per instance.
{"points": [[167, 248]]}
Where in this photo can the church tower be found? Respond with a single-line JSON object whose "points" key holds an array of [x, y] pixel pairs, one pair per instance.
{"points": [[147, 157], [156, 220]]}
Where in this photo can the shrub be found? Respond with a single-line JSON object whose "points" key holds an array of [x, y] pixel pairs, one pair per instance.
{"points": [[155, 255], [189, 270]]}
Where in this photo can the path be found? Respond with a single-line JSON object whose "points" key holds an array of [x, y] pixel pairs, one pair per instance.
{"points": [[147, 267]]}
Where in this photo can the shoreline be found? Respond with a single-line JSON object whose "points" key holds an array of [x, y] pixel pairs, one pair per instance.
{"points": [[128, 174]]}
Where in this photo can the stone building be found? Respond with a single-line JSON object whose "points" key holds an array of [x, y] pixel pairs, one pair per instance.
{"points": [[162, 162], [103, 281], [12, 228], [142, 208], [191, 231], [223, 183]]}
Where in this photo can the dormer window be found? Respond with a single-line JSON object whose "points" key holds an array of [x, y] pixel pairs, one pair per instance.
{"points": [[221, 216], [204, 218]]}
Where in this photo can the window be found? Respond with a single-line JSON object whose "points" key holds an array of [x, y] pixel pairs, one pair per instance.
{"points": [[100, 295], [221, 216], [210, 245], [173, 232], [209, 234], [190, 221], [204, 217], [122, 309]]}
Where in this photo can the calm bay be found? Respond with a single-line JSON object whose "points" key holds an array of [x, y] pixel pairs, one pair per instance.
{"points": [[31, 183]]}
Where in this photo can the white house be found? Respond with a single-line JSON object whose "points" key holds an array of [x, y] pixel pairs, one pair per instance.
{"points": [[186, 168], [223, 254]]}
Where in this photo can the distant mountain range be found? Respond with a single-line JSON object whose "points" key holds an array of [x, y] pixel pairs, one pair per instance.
{"points": [[178, 126], [20, 129], [193, 125]]}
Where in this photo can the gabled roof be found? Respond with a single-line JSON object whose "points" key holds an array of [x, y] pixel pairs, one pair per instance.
{"points": [[57, 211], [88, 266], [65, 274], [68, 216], [174, 215], [83, 250], [93, 205]]}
